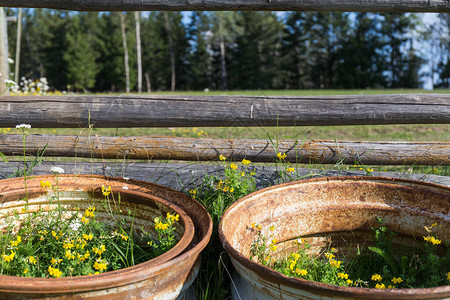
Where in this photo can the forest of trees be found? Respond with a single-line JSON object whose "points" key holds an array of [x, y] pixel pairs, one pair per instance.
{"points": [[230, 50]]}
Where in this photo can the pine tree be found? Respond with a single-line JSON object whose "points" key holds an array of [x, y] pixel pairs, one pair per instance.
{"points": [[402, 61], [80, 54], [256, 55], [110, 58], [295, 52], [443, 65], [199, 56], [360, 64]]}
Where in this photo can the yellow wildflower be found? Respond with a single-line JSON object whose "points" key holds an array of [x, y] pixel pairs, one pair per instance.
{"points": [[233, 166], [429, 229], [161, 226], [88, 237], [172, 218], [329, 255], [302, 272], [55, 261], [281, 156], [253, 225], [106, 190], [89, 212], [100, 250], [391, 286], [273, 247], [222, 158], [242, 174], [272, 228], [252, 173], [349, 281], [25, 271], [397, 280], [274, 241], [259, 227], [432, 239], [292, 264], [448, 276], [377, 277], [10, 257], [231, 189], [69, 255], [246, 161], [335, 263], [45, 184], [32, 260], [54, 272], [100, 265], [80, 257], [16, 242], [68, 245], [290, 170], [295, 256], [342, 275], [436, 241], [380, 286]]}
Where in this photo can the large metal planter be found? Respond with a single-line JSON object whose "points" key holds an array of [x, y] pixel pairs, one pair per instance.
{"points": [[168, 276], [327, 209]]}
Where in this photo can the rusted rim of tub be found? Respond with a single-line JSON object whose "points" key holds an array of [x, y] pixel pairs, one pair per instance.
{"points": [[131, 196], [329, 289], [113, 279]]}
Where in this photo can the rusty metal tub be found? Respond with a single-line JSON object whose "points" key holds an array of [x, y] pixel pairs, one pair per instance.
{"points": [[340, 210], [168, 276]]}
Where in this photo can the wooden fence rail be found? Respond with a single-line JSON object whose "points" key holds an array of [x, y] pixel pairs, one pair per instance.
{"points": [[163, 148], [275, 5], [185, 176], [213, 111]]}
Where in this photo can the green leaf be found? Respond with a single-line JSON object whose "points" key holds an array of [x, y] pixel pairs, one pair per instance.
{"points": [[387, 258]]}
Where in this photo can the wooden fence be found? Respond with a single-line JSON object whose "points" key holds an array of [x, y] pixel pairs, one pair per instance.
{"points": [[224, 111], [275, 5]]}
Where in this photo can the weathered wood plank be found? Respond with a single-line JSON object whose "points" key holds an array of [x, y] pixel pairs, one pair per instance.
{"points": [[184, 176], [211, 111], [178, 148], [279, 5]]}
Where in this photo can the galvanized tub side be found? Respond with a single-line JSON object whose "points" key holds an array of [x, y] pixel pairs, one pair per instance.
{"points": [[161, 278], [323, 209]]}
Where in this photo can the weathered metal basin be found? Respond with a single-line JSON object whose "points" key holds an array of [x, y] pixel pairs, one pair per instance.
{"points": [[168, 276], [340, 210]]}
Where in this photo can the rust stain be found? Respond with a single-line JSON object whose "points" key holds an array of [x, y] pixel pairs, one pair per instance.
{"points": [[336, 210], [164, 277]]}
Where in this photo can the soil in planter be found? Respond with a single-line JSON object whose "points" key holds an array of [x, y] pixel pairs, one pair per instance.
{"points": [[65, 242], [380, 264]]}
